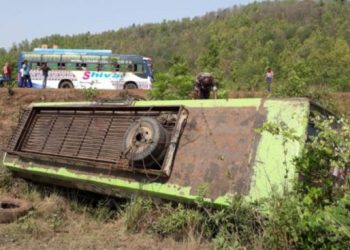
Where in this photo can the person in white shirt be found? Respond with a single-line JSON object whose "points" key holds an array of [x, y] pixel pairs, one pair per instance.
{"points": [[269, 78], [22, 80]]}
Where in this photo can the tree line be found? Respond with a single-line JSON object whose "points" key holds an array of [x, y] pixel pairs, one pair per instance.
{"points": [[307, 43]]}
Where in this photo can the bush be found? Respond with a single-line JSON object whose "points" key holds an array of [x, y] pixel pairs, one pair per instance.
{"points": [[90, 93], [293, 87], [170, 87], [314, 215], [135, 212], [324, 162]]}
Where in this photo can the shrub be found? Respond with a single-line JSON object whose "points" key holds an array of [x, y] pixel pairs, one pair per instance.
{"points": [[179, 222], [135, 212], [90, 93], [324, 162], [315, 215]]}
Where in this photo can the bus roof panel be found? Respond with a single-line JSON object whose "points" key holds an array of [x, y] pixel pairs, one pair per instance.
{"points": [[51, 58], [86, 55], [99, 52], [71, 58], [91, 58], [31, 56]]}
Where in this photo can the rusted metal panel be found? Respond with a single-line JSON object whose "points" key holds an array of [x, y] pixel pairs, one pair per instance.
{"points": [[89, 136], [215, 150], [20, 127]]}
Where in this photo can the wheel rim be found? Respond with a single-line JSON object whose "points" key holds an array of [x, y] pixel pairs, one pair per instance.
{"points": [[141, 139], [145, 143]]}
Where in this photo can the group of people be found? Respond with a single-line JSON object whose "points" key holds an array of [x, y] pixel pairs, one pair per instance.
{"points": [[25, 79]]}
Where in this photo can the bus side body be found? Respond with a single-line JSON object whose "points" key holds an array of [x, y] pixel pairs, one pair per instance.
{"points": [[88, 71]]}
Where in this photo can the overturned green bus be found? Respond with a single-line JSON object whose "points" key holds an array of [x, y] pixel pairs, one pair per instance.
{"points": [[167, 149]]}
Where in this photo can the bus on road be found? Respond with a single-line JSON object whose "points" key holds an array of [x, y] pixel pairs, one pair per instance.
{"points": [[85, 68]]}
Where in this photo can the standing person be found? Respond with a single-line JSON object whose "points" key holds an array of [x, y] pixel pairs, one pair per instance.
{"points": [[7, 72], [268, 79], [22, 82], [204, 84], [26, 72], [45, 69]]}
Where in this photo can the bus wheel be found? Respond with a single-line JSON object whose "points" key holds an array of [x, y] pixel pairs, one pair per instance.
{"points": [[66, 85], [145, 143], [130, 85]]}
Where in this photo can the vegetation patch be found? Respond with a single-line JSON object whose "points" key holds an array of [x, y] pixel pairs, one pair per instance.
{"points": [[90, 93]]}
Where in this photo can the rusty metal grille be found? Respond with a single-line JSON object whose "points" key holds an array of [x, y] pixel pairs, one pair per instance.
{"points": [[17, 133], [89, 136]]}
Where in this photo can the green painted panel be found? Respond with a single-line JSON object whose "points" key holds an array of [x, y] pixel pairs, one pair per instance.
{"points": [[169, 191], [61, 104], [252, 102], [274, 169]]}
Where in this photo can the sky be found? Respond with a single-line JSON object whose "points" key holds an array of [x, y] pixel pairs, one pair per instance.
{"points": [[30, 19]]}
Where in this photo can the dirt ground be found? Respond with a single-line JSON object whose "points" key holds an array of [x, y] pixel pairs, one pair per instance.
{"points": [[57, 223]]}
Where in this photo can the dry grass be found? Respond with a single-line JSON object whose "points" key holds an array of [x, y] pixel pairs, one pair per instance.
{"points": [[66, 219]]}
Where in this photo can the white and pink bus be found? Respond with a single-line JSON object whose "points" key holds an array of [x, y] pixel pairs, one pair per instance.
{"points": [[85, 68]]}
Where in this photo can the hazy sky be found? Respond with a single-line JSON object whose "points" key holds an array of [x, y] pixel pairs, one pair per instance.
{"points": [[28, 19]]}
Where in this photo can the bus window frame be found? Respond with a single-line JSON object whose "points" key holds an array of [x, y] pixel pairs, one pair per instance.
{"points": [[61, 65]]}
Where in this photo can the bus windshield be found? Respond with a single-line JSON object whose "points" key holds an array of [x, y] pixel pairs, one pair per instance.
{"points": [[82, 68]]}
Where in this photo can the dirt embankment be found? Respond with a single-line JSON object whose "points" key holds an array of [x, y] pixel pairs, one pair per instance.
{"points": [[12, 105]]}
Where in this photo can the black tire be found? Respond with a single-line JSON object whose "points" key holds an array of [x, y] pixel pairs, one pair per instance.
{"points": [[11, 209], [66, 85], [130, 85], [145, 143]]}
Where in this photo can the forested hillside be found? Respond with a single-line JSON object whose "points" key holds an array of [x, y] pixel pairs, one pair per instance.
{"points": [[307, 43]]}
